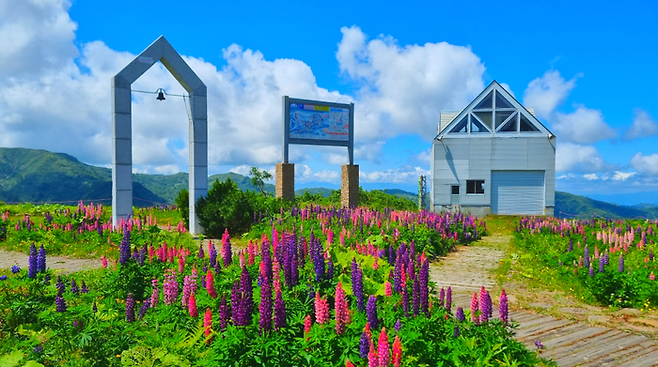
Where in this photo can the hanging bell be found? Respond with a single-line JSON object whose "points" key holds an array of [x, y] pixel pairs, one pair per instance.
{"points": [[160, 96]]}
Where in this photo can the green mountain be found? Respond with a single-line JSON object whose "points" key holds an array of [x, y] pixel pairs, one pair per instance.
{"points": [[575, 206]]}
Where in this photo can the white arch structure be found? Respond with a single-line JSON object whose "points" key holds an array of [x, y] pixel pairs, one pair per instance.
{"points": [[122, 187]]}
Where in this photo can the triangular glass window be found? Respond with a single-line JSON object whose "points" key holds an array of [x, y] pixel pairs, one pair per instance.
{"points": [[501, 102], [526, 125], [486, 117], [487, 102], [510, 126], [477, 126], [461, 126], [501, 116]]}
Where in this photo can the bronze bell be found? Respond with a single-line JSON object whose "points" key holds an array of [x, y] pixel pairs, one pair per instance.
{"points": [[160, 96]]}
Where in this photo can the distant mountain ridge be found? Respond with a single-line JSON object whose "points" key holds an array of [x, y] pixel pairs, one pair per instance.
{"points": [[30, 175]]}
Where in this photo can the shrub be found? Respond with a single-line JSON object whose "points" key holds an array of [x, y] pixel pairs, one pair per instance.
{"points": [[183, 204]]}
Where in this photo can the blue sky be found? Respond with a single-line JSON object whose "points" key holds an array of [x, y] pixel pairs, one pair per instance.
{"points": [[587, 67]]}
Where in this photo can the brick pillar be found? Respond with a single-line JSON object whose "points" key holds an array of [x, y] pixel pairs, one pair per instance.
{"points": [[349, 185], [285, 181]]}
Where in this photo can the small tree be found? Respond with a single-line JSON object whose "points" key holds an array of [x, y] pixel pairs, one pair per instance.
{"points": [[258, 178], [183, 204]]}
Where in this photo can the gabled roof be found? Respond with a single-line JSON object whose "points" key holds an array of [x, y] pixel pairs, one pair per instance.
{"points": [[494, 112]]}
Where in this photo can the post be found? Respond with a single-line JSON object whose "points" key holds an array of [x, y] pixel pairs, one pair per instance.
{"points": [[285, 181], [349, 186]]}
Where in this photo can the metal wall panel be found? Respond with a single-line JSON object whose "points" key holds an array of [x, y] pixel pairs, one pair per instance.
{"points": [[517, 192]]}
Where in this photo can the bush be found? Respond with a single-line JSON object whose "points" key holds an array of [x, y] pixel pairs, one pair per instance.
{"points": [[183, 204]]}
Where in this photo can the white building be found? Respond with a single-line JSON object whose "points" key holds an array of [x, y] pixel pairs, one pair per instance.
{"points": [[493, 157]]}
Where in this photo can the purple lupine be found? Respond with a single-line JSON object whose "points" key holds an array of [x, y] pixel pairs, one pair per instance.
{"points": [[364, 345], [423, 275], [74, 287], [141, 255], [503, 308], [570, 245], [227, 252], [265, 307], [357, 285], [397, 275], [213, 256], [279, 311], [398, 325], [621, 263], [201, 254], [371, 312], [130, 308], [455, 333], [442, 297], [601, 264], [416, 297], [586, 264], [224, 314], [15, 269], [318, 260], [460, 314], [32, 262], [124, 247], [61, 288], [391, 255], [60, 304], [606, 259], [489, 306], [83, 287], [650, 255], [330, 268], [591, 271], [142, 310], [449, 299], [236, 303], [170, 286], [405, 301]]}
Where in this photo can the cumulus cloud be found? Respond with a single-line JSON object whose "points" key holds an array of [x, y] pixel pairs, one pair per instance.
{"points": [[645, 163], [574, 157], [404, 88], [404, 174], [643, 126], [622, 176], [591, 176], [547, 92], [304, 173], [583, 126]]}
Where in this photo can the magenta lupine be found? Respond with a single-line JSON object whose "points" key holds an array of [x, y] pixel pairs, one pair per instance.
{"points": [[651, 276], [371, 312], [503, 307], [181, 263], [373, 357], [207, 324], [483, 305], [130, 308], [279, 311], [236, 303], [423, 275], [307, 325], [475, 309], [388, 289], [227, 253], [397, 351], [187, 290], [210, 284], [382, 349], [32, 262], [340, 309], [170, 286], [192, 306], [265, 307], [155, 294], [449, 299]]}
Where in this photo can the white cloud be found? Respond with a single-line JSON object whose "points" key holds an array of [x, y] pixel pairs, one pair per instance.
{"points": [[622, 176], [645, 163], [591, 176], [643, 126], [583, 126], [574, 157], [304, 173], [507, 88], [547, 92], [404, 88], [406, 174]]}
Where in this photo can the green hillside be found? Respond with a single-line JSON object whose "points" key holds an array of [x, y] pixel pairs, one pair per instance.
{"points": [[570, 206]]}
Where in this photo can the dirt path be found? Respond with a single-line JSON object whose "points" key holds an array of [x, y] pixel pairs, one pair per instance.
{"points": [[67, 264], [567, 338]]}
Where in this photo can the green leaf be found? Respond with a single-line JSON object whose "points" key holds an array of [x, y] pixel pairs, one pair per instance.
{"points": [[12, 359]]}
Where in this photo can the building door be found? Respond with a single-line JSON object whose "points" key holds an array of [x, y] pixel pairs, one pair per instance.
{"points": [[454, 195], [517, 192]]}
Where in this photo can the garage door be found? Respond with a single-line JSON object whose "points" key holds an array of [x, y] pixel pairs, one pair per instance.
{"points": [[517, 192]]}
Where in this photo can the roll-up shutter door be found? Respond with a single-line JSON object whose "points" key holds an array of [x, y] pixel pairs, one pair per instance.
{"points": [[517, 192]]}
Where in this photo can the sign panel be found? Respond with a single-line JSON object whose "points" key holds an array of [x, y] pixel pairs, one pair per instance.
{"points": [[318, 122]]}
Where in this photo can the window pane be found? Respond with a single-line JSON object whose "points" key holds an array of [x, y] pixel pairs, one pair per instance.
{"points": [[526, 125], [477, 126], [501, 102], [455, 190], [510, 126], [486, 117], [501, 116], [479, 187], [461, 126], [470, 187], [487, 102]]}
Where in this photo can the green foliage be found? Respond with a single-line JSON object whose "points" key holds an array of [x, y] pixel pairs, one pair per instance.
{"points": [[183, 205], [258, 178], [569, 205], [373, 199]]}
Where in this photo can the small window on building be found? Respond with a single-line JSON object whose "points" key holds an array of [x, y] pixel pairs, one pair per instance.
{"points": [[455, 189], [475, 186]]}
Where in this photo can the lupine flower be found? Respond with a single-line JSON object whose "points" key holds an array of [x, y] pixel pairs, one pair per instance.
{"points": [[382, 349], [130, 308], [83, 287], [449, 299], [321, 309], [586, 264], [201, 254], [423, 275], [621, 263], [170, 286], [279, 311], [442, 296], [373, 357], [364, 345], [591, 271], [651, 276], [212, 255], [192, 306], [606, 259], [181, 263], [236, 302], [142, 310], [348, 363], [340, 309], [357, 285], [207, 324], [104, 262], [247, 295], [538, 344], [416, 297], [455, 333], [3, 277], [155, 295], [371, 312], [223, 314], [397, 351], [265, 307], [388, 287], [210, 285], [60, 303], [74, 287], [397, 275], [15, 269], [124, 248], [460, 314], [602, 264], [307, 325], [474, 309], [405, 301], [227, 253], [32, 262], [61, 288], [503, 307]]}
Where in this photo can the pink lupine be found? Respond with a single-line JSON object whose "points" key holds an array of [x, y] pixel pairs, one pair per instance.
{"points": [[397, 351], [104, 262], [207, 324], [341, 310], [307, 325], [321, 309], [210, 284], [155, 295], [181, 264], [474, 309], [382, 349], [651, 276], [192, 306], [373, 357], [388, 289]]}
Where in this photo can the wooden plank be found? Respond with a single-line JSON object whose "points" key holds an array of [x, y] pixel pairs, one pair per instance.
{"points": [[638, 345], [648, 354], [571, 338], [593, 349], [542, 328], [557, 332]]}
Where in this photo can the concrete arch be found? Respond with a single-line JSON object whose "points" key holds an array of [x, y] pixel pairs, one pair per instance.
{"points": [[122, 188]]}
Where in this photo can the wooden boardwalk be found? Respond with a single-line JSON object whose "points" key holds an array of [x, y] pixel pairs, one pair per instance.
{"points": [[567, 342]]}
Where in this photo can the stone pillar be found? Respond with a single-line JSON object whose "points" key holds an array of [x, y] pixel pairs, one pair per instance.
{"points": [[198, 179], [285, 181], [122, 156], [349, 185]]}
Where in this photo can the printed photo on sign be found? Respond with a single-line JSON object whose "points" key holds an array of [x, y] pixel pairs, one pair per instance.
{"points": [[314, 122]]}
